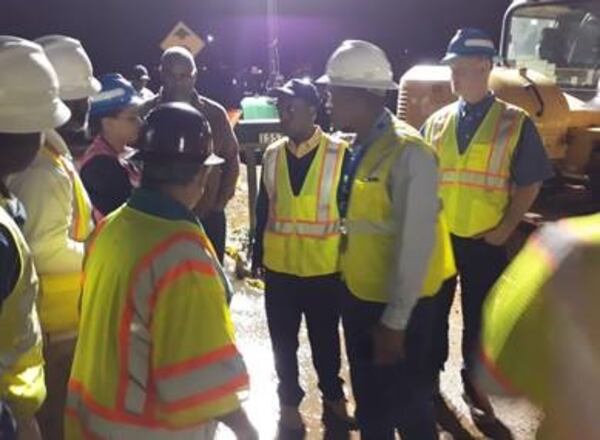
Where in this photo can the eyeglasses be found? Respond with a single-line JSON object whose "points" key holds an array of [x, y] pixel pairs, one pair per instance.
{"points": [[132, 119]]}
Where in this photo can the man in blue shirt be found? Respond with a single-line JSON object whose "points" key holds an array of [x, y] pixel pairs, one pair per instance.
{"points": [[476, 194]]}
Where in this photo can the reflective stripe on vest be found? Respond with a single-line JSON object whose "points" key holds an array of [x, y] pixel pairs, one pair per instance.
{"points": [[59, 293], [517, 325], [475, 185], [303, 231], [21, 360], [81, 221], [157, 372], [368, 254], [101, 423], [135, 333], [328, 180]]}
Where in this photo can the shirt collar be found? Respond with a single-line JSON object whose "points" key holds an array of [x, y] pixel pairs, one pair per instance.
{"points": [[479, 108], [158, 204], [303, 148]]}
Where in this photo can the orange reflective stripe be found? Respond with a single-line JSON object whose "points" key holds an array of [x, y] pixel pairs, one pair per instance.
{"points": [[91, 415], [185, 267], [304, 229], [438, 128], [226, 352], [505, 129], [322, 226], [201, 376], [204, 397], [327, 180], [134, 332], [497, 376], [474, 180], [470, 171]]}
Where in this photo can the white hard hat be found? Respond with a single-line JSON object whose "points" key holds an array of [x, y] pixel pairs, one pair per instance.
{"points": [[72, 65], [359, 64], [29, 101]]}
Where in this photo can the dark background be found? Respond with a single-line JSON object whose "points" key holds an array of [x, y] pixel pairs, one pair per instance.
{"points": [[120, 33]]}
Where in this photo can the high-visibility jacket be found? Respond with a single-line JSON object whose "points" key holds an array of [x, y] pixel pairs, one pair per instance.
{"points": [[156, 356], [367, 256], [21, 359], [60, 292], [534, 308], [302, 235], [58, 222], [475, 186]]}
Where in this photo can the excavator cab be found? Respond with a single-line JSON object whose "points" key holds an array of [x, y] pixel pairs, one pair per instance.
{"points": [[560, 39]]}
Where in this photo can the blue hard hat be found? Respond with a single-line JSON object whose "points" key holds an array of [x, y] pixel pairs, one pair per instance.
{"points": [[117, 94], [470, 42]]}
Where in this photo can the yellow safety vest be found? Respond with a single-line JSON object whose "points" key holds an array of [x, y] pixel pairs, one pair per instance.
{"points": [[156, 356], [367, 256], [519, 334], [21, 359], [302, 235], [59, 293], [475, 186]]}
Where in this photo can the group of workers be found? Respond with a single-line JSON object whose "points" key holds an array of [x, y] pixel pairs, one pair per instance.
{"points": [[114, 306]]}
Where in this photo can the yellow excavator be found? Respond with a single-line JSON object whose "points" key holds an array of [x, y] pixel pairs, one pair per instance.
{"points": [[549, 65]]}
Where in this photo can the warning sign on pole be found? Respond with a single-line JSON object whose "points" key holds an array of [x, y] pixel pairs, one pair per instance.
{"points": [[182, 35]]}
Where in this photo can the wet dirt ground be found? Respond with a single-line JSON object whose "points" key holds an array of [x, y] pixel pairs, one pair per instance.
{"points": [[253, 341]]}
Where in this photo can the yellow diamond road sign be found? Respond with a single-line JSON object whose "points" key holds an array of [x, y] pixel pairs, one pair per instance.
{"points": [[182, 35]]}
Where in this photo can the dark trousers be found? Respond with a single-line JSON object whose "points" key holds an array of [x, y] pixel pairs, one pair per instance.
{"points": [[287, 298], [479, 266], [215, 226], [397, 397]]}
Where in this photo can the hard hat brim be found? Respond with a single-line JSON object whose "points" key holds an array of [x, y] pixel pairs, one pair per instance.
{"points": [[450, 57], [87, 91], [212, 160], [48, 117], [375, 85]]}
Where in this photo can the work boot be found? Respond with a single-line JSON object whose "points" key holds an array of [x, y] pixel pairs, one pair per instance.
{"points": [[335, 413], [290, 419], [450, 419], [482, 411], [479, 404]]}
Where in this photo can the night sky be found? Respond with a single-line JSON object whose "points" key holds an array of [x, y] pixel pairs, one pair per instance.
{"points": [[120, 33]]}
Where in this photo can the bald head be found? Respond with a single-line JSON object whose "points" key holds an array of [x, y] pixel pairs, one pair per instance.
{"points": [[178, 74]]}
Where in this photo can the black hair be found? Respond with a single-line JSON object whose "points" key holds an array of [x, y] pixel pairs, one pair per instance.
{"points": [[95, 123]]}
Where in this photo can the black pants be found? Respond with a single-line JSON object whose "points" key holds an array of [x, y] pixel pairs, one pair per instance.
{"points": [[479, 266], [287, 298], [396, 397], [215, 226]]}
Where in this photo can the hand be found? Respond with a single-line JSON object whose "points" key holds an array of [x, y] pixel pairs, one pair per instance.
{"points": [[496, 237], [388, 345]]}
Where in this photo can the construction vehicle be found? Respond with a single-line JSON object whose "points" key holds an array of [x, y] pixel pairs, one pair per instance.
{"points": [[549, 65]]}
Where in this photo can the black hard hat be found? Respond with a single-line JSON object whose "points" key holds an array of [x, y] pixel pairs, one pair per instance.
{"points": [[177, 131], [298, 88]]}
